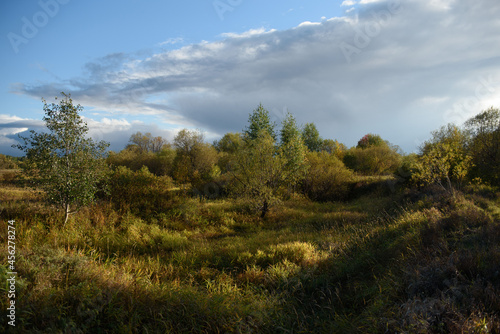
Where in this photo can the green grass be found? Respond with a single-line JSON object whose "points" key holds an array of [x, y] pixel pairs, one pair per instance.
{"points": [[374, 264]]}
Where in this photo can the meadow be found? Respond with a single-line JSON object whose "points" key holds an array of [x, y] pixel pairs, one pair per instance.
{"points": [[383, 260]]}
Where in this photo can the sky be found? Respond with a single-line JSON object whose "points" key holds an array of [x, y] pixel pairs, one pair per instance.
{"points": [[397, 68]]}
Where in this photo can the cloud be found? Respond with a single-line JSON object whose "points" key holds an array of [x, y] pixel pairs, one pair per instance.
{"points": [[348, 3], [172, 41], [115, 131], [403, 66]]}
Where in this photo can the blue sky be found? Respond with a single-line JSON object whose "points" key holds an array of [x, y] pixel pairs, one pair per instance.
{"points": [[396, 68]]}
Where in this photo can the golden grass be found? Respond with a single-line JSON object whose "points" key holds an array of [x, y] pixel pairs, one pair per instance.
{"points": [[368, 265]]}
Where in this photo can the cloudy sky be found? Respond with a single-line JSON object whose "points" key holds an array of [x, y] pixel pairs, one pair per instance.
{"points": [[398, 68]]}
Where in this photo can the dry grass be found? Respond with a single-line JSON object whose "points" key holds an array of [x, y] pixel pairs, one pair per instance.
{"points": [[373, 264]]}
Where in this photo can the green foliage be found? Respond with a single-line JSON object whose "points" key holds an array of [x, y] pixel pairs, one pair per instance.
{"points": [[289, 130], [229, 143], [257, 172], [292, 152], [370, 140], [146, 142], [264, 173], [443, 160], [141, 192], [68, 166], [259, 120], [310, 135], [333, 147], [484, 145], [195, 161], [160, 163], [7, 163], [373, 160], [327, 178]]}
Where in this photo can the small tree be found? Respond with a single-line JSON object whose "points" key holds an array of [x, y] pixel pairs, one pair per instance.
{"points": [[443, 160], [310, 135], [292, 152], [196, 160], [260, 120], [265, 173], [484, 145], [65, 164], [146, 142], [370, 140], [327, 179], [333, 147], [257, 173]]}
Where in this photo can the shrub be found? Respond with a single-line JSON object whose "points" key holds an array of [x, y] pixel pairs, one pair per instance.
{"points": [[141, 191], [327, 178], [159, 163], [7, 162], [373, 160]]}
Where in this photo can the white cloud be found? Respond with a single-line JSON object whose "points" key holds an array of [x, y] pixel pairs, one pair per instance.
{"points": [[172, 41], [365, 2], [246, 34], [348, 3], [308, 23]]}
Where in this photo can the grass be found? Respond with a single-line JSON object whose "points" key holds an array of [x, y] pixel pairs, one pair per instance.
{"points": [[376, 263]]}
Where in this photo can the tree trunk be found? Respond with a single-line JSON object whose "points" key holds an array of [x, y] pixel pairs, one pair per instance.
{"points": [[66, 214], [265, 208]]}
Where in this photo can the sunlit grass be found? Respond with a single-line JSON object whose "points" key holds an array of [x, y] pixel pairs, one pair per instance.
{"points": [[371, 264]]}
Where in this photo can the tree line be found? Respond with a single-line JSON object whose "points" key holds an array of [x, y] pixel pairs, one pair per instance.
{"points": [[265, 163]]}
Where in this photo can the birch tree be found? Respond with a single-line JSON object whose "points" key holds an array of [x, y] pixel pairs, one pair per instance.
{"points": [[62, 161]]}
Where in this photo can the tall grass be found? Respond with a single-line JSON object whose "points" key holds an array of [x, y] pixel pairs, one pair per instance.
{"points": [[377, 263]]}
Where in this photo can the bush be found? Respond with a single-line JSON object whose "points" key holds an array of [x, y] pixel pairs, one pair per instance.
{"points": [[327, 179], [141, 191], [160, 163], [373, 160], [7, 163]]}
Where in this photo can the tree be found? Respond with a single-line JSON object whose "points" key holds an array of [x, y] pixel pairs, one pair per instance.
{"points": [[7, 162], [227, 147], [484, 145], [333, 147], [370, 140], [289, 130], [147, 143], [257, 173], [292, 152], [372, 160], [187, 139], [63, 162], [259, 120], [141, 141], [132, 157], [229, 143], [327, 178], [195, 160], [310, 135], [443, 160], [265, 173]]}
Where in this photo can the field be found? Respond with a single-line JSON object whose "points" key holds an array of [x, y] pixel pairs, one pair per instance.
{"points": [[382, 262]]}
